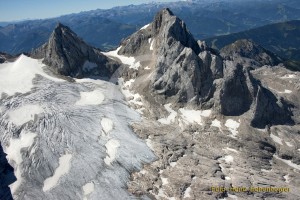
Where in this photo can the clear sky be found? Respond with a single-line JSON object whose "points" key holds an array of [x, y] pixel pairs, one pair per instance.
{"points": [[37, 9]]}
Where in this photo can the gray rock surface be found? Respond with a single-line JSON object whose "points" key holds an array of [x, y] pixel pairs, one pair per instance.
{"points": [[68, 55], [249, 54], [211, 121]]}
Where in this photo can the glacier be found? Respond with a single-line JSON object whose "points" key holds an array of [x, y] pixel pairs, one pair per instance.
{"points": [[52, 132]]}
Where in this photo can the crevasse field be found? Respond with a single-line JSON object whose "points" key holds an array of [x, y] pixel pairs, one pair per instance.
{"points": [[67, 139]]}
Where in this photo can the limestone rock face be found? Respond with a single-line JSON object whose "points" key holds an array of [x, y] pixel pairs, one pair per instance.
{"points": [[270, 111], [68, 55], [184, 70], [238, 90], [249, 54]]}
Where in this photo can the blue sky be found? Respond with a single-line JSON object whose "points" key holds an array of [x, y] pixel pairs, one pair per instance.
{"points": [[38, 9]]}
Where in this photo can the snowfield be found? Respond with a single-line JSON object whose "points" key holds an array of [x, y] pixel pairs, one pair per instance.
{"points": [[18, 76], [62, 148]]}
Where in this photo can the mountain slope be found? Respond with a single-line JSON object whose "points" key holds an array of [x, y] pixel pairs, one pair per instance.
{"points": [[281, 38], [69, 55], [203, 120], [105, 28], [205, 111]]}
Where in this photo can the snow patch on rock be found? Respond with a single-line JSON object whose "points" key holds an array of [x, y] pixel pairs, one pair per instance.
{"points": [[276, 139], [187, 192], [124, 59], [144, 27], [194, 116], [216, 123], [171, 118], [232, 125], [152, 44]]}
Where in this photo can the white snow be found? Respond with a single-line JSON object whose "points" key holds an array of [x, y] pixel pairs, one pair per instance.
{"points": [[173, 164], [194, 116], [149, 144], [228, 159], [24, 114], [133, 98], [144, 27], [107, 125], [143, 172], [164, 181], [233, 196], [87, 66], [287, 91], [232, 126], [187, 192], [88, 189], [289, 76], [152, 44], [171, 118], [280, 92], [286, 178], [127, 84], [230, 149], [276, 139], [62, 169], [13, 152], [216, 123], [17, 76], [90, 98], [288, 162], [124, 59], [289, 144], [111, 150], [265, 170]]}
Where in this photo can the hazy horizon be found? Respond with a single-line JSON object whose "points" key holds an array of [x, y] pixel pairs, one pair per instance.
{"points": [[36, 9]]}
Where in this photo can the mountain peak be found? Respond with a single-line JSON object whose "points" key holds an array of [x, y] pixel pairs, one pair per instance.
{"points": [[246, 48], [69, 55]]}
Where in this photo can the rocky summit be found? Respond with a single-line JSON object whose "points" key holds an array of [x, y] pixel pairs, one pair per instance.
{"points": [[161, 117], [68, 55]]}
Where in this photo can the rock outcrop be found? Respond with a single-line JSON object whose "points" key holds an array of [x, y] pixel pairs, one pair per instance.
{"points": [[68, 55], [249, 54]]}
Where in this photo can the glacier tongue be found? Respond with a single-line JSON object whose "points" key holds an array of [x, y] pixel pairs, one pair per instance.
{"points": [[69, 149]]}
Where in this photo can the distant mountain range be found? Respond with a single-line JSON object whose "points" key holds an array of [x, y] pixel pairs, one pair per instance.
{"points": [[105, 28]]}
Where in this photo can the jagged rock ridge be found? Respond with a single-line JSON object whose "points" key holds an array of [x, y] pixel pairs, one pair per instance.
{"points": [[186, 71]]}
